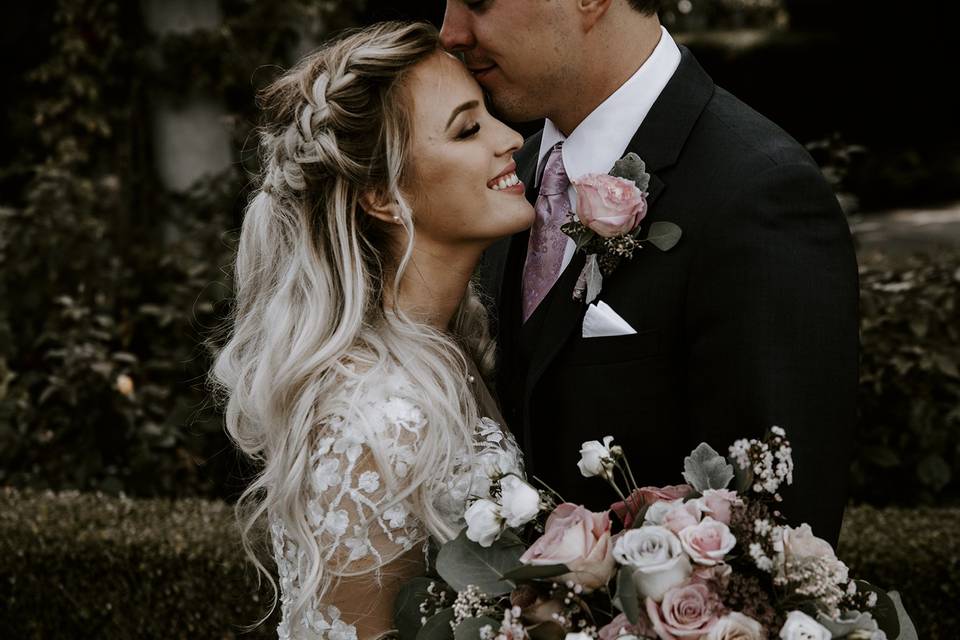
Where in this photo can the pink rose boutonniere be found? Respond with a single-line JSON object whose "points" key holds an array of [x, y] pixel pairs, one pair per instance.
{"points": [[606, 223]]}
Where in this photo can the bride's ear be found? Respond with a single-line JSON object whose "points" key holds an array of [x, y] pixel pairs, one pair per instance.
{"points": [[381, 206]]}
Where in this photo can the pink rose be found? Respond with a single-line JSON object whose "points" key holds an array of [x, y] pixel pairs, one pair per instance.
{"points": [[681, 516], [579, 539], [620, 626], [609, 206], [687, 611], [646, 496], [717, 502], [799, 544], [801, 548], [708, 541]]}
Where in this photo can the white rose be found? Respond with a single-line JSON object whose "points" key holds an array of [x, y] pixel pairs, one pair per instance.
{"points": [[595, 458], [656, 555], [484, 522], [736, 626], [656, 512], [800, 626], [521, 502]]}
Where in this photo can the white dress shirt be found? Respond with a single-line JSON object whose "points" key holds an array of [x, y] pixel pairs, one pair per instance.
{"points": [[601, 139]]}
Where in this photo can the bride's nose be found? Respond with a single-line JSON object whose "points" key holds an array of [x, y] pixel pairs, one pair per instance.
{"points": [[510, 141]]}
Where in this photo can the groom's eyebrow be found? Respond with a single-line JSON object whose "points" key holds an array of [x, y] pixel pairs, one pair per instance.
{"points": [[473, 104]]}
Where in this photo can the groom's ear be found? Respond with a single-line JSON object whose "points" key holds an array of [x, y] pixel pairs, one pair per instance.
{"points": [[381, 206], [591, 11]]}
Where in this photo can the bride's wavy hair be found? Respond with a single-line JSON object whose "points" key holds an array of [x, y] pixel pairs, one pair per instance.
{"points": [[310, 276]]}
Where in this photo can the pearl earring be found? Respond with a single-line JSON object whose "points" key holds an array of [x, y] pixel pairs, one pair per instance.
{"points": [[396, 219]]}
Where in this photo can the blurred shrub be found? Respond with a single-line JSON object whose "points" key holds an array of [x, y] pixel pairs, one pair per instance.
{"points": [[93, 566], [110, 286], [909, 429], [696, 15], [84, 565]]}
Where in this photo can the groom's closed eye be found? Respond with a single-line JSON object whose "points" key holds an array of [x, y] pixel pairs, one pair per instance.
{"points": [[477, 6]]}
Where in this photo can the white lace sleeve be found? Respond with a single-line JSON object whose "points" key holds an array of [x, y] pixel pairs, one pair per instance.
{"points": [[368, 541]]}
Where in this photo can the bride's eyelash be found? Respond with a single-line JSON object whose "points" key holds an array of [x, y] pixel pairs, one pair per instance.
{"points": [[472, 131]]}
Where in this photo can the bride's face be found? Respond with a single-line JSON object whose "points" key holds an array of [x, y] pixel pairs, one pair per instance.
{"points": [[460, 160]]}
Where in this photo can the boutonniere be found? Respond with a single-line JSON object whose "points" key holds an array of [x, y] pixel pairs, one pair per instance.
{"points": [[606, 222]]}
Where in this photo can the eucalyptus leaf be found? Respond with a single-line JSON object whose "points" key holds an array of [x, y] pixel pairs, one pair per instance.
{"points": [[532, 572], [627, 598], [462, 562], [633, 168], [406, 608], [438, 626], [706, 469], [664, 235], [907, 630], [885, 611], [594, 279], [469, 629]]}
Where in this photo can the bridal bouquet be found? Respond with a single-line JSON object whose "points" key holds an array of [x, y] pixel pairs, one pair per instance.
{"points": [[709, 559]]}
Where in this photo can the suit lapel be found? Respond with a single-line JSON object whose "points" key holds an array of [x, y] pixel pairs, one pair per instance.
{"points": [[658, 142]]}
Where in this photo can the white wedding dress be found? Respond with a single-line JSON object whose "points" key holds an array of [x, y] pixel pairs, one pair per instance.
{"points": [[346, 489]]}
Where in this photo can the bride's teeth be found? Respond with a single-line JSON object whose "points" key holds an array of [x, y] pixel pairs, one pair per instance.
{"points": [[505, 182]]}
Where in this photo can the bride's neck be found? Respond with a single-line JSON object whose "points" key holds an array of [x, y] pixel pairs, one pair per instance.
{"points": [[434, 284]]}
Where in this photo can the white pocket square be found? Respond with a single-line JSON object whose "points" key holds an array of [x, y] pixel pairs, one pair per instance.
{"points": [[602, 320]]}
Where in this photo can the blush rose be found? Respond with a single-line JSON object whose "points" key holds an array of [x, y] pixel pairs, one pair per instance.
{"points": [[608, 205], [579, 539]]}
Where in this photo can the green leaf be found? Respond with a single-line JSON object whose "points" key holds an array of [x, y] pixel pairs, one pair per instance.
{"points": [[706, 469], [627, 598], [664, 235], [462, 562], [633, 168], [532, 572], [406, 608], [469, 629], [438, 626]]}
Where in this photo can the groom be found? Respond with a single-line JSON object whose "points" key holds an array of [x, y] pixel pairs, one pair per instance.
{"points": [[750, 321]]}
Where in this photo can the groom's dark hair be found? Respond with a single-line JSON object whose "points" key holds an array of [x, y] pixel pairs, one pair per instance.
{"points": [[646, 6]]}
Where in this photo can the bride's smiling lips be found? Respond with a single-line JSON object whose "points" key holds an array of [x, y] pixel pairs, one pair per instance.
{"points": [[507, 181]]}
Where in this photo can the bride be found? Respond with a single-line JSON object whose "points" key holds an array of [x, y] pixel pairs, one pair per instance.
{"points": [[354, 373]]}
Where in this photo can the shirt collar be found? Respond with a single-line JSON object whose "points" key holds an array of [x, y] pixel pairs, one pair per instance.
{"points": [[600, 140]]}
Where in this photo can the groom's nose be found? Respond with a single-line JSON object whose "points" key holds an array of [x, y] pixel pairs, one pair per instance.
{"points": [[456, 33]]}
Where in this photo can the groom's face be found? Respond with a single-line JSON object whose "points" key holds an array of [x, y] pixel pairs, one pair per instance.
{"points": [[523, 52]]}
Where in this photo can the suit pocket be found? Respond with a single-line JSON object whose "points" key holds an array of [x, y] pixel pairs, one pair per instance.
{"points": [[611, 349]]}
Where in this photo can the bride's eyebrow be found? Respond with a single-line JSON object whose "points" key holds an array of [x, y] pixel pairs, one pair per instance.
{"points": [[472, 104]]}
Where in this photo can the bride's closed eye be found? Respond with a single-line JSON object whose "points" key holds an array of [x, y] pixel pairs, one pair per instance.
{"points": [[469, 132]]}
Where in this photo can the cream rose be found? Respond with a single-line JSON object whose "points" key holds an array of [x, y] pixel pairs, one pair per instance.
{"points": [[736, 626], [579, 539], [656, 556]]}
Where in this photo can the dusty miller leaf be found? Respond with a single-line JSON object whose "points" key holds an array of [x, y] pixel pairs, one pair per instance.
{"points": [[706, 469]]}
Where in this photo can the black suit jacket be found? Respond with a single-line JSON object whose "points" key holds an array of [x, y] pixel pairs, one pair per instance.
{"points": [[750, 321]]}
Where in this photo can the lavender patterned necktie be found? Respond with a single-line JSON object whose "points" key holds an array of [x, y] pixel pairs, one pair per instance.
{"points": [[547, 241]]}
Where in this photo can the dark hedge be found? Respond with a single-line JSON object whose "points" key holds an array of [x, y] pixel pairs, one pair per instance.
{"points": [[75, 565]]}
